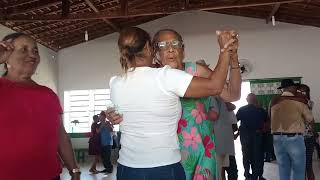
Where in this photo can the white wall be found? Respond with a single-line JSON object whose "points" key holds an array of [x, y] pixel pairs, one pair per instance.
{"points": [[280, 51], [46, 73], [285, 50]]}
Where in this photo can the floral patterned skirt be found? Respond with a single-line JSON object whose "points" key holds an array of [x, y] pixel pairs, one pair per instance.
{"points": [[196, 138]]}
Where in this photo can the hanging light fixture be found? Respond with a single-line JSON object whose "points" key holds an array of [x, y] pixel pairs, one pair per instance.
{"points": [[86, 36], [273, 20]]}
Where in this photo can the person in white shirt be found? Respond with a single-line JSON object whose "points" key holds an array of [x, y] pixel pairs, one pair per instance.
{"points": [[149, 100]]}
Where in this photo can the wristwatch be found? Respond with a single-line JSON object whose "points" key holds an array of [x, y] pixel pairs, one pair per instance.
{"points": [[74, 171]]}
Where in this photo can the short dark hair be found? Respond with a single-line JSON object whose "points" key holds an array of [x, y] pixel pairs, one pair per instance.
{"points": [[307, 88], [131, 43], [13, 36]]}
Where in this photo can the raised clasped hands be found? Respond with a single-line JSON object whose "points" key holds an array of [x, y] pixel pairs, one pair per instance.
{"points": [[228, 41]]}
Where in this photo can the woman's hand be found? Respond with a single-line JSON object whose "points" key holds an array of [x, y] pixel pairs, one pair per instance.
{"points": [[6, 49], [226, 39], [233, 48], [113, 116]]}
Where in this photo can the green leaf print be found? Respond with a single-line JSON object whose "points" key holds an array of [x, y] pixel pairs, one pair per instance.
{"points": [[180, 138], [190, 164]]}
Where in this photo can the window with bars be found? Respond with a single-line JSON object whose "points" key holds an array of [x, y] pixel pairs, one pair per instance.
{"points": [[81, 105]]}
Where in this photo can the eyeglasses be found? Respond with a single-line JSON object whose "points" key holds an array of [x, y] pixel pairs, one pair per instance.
{"points": [[302, 92], [175, 44]]}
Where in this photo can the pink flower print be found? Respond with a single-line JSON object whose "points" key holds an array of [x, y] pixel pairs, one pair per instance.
{"points": [[198, 113], [191, 71], [191, 139], [208, 144], [197, 175], [181, 123]]}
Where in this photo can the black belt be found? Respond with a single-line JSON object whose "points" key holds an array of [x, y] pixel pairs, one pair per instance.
{"points": [[287, 134]]}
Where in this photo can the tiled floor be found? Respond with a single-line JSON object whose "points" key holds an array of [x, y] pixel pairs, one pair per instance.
{"points": [[270, 170]]}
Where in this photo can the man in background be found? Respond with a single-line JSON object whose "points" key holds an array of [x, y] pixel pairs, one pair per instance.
{"points": [[252, 119], [288, 119], [106, 143]]}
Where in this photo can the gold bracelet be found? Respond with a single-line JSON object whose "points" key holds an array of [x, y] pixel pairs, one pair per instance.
{"points": [[237, 67]]}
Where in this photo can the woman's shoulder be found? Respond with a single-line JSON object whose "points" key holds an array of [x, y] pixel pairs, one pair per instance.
{"points": [[46, 89]]}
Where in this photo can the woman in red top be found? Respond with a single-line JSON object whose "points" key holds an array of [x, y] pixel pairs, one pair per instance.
{"points": [[32, 132]]}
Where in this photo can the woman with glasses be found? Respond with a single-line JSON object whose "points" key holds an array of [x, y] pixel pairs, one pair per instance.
{"points": [[198, 154], [149, 100]]}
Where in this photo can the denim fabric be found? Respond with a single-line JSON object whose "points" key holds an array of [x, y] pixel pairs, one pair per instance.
{"points": [[169, 172], [291, 156]]}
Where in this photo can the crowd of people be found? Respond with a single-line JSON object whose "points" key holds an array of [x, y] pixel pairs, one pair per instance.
{"points": [[183, 129]]}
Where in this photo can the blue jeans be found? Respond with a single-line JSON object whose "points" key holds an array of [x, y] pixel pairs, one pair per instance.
{"points": [[169, 172], [291, 156]]}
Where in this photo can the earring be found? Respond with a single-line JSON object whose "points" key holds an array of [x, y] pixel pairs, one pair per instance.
{"points": [[8, 66]]}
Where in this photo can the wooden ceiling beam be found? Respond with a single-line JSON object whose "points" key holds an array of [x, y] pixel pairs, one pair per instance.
{"points": [[273, 12], [55, 12], [306, 5], [61, 27], [32, 7], [124, 7], [186, 4], [143, 12], [65, 7], [96, 10], [15, 4], [52, 23], [156, 3], [281, 17]]}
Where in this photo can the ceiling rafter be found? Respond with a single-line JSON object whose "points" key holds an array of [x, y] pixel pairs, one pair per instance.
{"points": [[15, 4], [136, 13], [31, 7], [72, 12], [96, 10], [65, 8], [61, 26], [124, 7], [54, 30], [156, 3]]}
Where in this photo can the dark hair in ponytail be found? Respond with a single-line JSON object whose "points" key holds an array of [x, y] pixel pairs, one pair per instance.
{"points": [[11, 37], [131, 43]]}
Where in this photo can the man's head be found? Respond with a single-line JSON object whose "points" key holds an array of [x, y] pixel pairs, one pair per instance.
{"points": [[169, 48], [95, 118], [252, 99], [303, 91], [102, 116], [287, 85]]}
